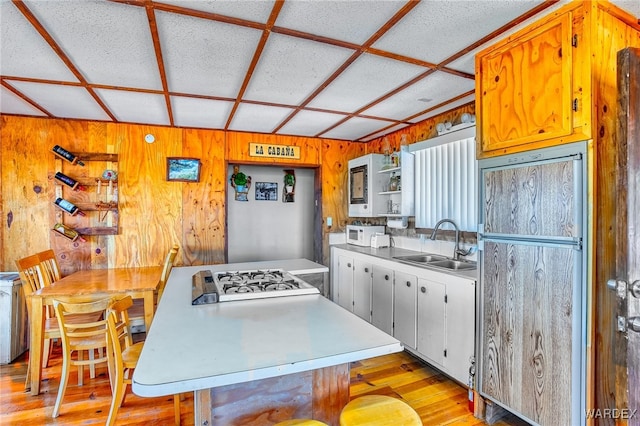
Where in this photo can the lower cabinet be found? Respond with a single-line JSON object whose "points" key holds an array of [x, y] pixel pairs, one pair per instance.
{"points": [[446, 323], [405, 308], [381, 299], [353, 291], [432, 313]]}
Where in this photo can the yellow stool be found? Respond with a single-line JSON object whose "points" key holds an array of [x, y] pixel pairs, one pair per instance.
{"points": [[378, 410], [300, 422]]}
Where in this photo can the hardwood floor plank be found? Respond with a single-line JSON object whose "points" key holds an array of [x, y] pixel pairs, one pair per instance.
{"points": [[437, 399]]}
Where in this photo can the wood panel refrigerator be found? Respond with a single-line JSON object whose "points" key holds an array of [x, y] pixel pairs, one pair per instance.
{"points": [[532, 316]]}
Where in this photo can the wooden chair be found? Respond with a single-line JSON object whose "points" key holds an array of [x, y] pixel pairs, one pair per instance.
{"points": [[49, 265], [33, 280], [123, 357], [78, 337], [136, 313]]}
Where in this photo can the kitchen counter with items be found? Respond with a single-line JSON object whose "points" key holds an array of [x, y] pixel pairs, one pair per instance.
{"points": [[243, 348], [392, 253]]}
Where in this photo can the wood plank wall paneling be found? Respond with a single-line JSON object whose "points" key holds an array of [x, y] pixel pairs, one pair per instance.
{"points": [[613, 35], [154, 213], [203, 204]]}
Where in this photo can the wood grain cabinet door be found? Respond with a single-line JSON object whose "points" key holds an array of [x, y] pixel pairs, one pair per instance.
{"points": [[530, 357], [525, 88]]}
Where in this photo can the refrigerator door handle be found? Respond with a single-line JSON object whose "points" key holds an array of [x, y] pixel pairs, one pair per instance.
{"points": [[575, 243]]}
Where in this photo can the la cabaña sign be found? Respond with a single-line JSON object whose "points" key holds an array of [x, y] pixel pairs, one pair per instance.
{"points": [[268, 150]]}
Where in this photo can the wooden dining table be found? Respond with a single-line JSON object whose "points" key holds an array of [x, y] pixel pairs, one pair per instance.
{"points": [[139, 283]]}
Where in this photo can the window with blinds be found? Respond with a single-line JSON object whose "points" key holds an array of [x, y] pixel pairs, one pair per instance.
{"points": [[446, 176]]}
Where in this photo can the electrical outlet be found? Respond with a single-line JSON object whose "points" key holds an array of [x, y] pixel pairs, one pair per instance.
{"points": [[329, 221]]}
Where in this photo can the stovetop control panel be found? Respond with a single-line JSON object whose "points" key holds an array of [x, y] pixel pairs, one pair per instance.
{"points": [[203, 288]]}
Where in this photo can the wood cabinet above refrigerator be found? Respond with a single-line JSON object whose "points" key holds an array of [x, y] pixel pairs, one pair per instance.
{"points": [[549, 84]]}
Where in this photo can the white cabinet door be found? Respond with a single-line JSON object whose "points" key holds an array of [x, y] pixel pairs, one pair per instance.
{"points": [[345, 282], [460, 327], [431, 316], [405, 308], [362, 289], [382, 299]]}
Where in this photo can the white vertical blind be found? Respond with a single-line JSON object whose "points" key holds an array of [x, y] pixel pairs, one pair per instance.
{"points": [[446, 184]]}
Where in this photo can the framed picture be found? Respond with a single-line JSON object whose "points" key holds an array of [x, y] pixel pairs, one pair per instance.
{"points": [[180, 169], [266, 191]]}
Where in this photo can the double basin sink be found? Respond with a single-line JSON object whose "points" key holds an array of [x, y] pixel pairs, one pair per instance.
{"points": [[436, 261]]}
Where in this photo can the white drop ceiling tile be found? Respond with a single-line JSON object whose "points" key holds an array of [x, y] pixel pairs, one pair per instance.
{"points": [[442, 28], [109, 43], [203, 56], [384, 132], [291, 68], [466, 63], [364, 81], [443, 109], [24, 53], [200, 113], [256, 11], [355, 128], [432, 90], [310, 123], [63, 101], [258, 118], [10, 103], [352, 21], [135, 107], [630, 6]]}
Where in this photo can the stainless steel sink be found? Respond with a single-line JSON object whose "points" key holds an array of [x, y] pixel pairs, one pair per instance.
{"points": [[453, 264], [420, 258]]}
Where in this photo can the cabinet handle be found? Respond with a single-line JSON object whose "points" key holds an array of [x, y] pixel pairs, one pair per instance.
{"points": [[366, 269], [423, 289], [386, 277], [348, 265], [408, 283]]}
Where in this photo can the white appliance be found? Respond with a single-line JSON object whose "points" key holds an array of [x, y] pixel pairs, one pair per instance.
{"points": [[380, 240], [360, 235], [243, 285], [365, 186], [13, 318]]}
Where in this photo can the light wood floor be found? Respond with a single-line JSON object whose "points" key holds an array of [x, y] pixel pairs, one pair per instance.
{"points": [[438, 400]]}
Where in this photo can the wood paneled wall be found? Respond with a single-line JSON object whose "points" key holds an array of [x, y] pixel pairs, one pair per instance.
{"points": [[154, 213]]}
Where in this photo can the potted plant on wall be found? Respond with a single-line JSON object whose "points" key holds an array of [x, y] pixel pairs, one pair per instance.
{"points": [[240, 183], [289, 186]]}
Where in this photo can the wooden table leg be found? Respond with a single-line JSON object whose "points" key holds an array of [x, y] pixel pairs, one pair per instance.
{"points": [[148, 309], [35, 342]]}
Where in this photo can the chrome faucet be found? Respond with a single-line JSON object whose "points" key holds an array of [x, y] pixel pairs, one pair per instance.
{"points": [[457, 251]]}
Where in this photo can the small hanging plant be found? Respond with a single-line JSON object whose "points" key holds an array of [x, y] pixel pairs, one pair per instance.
{"points": [[289, 179], [240, 179]]}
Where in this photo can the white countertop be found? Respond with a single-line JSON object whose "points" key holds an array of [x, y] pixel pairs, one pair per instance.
{"points": [[199, 347]]}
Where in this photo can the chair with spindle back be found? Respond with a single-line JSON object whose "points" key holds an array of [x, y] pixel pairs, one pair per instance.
{"points": [[77, 337], [136, 313], [124, 355], [33, 280], [49, 265]]}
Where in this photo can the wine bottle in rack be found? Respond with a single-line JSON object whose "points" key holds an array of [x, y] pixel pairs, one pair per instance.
{"points": [[68, 207], [66, 155], [67, 232], [72, 183]]}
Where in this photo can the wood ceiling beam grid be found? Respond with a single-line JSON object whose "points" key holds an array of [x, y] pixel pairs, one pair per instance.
{"points": [[406, 120], [58, 50], [442, 67], [360, 50], [277, 7], [28, 100], [153, 28]]}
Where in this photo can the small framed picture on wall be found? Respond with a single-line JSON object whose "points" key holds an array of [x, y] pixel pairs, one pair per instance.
{"points": [[181, 169]]}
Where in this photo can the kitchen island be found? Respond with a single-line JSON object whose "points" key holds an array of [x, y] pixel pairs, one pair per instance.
{"points": [[255, 361]]}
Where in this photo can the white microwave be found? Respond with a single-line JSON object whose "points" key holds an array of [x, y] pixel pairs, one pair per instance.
{"points": [[365, 185], [360, 235]]}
